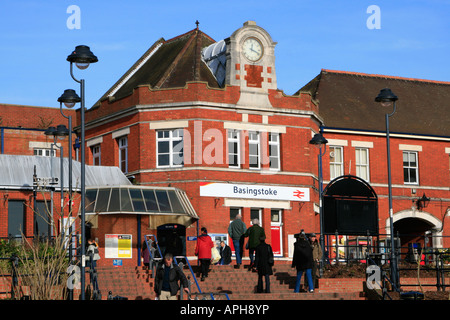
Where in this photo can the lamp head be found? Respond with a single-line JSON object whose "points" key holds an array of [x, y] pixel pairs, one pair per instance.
{"points": [[69, 98], [50, 131], [82, 57], [61, 131], [318, 140], [386, 97]]}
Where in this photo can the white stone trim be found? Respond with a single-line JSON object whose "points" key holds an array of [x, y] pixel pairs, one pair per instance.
{"points": [[254, 127], [337, 142], [173, 124], [245, 203], [362, 144], [41, 145], [94, 141], [409, 147], [121, 132]]}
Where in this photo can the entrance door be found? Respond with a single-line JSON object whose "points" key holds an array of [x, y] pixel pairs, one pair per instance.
{"points": [[172, 238], [276, 231]]}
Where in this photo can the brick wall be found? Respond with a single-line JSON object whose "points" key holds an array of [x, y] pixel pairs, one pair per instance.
{"points": [[341, 284]]}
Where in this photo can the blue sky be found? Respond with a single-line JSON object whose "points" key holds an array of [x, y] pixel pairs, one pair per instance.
{"points": [[413, 39]]}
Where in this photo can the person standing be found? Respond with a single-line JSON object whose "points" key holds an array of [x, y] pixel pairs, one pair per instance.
{"points": [[263, 264], [254, 234], [92, 252], [236, 231], [203, 252], [145, 255], [225, 254], [167, 277], [303, 261], [317, 256]]}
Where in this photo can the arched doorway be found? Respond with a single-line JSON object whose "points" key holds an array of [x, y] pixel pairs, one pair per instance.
{"points": [[412, 226], [350, 207]]}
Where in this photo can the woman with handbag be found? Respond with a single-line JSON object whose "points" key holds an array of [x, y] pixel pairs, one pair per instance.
{"points": [[203, 252]]}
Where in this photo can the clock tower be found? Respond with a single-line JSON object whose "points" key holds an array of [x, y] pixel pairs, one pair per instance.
{"points": [[250, 64]]}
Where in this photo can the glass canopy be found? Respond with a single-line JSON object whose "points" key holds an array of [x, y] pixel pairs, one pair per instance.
{"points": [[138, 200]]}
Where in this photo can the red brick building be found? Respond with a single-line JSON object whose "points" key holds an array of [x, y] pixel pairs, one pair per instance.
{"points": [[354, 125], [204, 133], [206, 117], [22, 133]]}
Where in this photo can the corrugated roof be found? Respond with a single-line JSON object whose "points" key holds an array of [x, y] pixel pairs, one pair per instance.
{"points": [[347, 100], [16, 172]]}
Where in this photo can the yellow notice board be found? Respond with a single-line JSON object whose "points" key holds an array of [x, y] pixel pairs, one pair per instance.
{"points": [[118, 246]]}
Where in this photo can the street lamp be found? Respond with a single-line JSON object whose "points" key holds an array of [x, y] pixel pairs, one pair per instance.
{"points": [[318, 140], [69, 98], [82, 57], [387, 99], [60, 132]]}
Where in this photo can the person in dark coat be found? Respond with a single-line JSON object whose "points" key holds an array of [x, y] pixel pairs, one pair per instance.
{"points": [[263, 255], [167, 277], [303, 261], [225, 253], [254, 234], [236, 231]]}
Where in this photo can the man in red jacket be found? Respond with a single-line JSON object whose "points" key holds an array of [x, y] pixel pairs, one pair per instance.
{"points": [[203, 252]]}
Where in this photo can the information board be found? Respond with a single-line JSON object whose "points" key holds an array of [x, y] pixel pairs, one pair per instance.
{"points": [[118, 246]]}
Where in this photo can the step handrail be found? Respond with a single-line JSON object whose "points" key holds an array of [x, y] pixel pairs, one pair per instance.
{"points": [[190, 268], [157, 245], [195, 278]]}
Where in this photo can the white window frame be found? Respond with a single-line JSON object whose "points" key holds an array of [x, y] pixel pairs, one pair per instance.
{"points": [[360, 166], [336, 164], [234, 138], [96, 155], [254, 138], [170, 136], [123, 148], [259, 212], [44, 152], [409, 167], [276, 144]]}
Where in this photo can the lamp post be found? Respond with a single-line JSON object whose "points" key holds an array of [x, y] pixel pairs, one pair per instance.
{"points": [[69, 98], [82, 57], [60, 132], [387, 99], [318, 140]]}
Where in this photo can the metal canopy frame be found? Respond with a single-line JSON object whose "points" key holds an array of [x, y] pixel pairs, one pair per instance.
{"points": [[138, 200], [350, 207]]}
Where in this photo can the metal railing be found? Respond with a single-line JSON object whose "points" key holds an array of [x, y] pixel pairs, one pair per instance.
{"points": [[154, 261], [343, 249]]}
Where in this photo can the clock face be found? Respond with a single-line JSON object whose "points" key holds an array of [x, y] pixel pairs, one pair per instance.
{"points": [[252, 49]]}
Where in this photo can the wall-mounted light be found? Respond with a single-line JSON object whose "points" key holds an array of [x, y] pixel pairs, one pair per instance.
{"points": [[422, 202]]}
